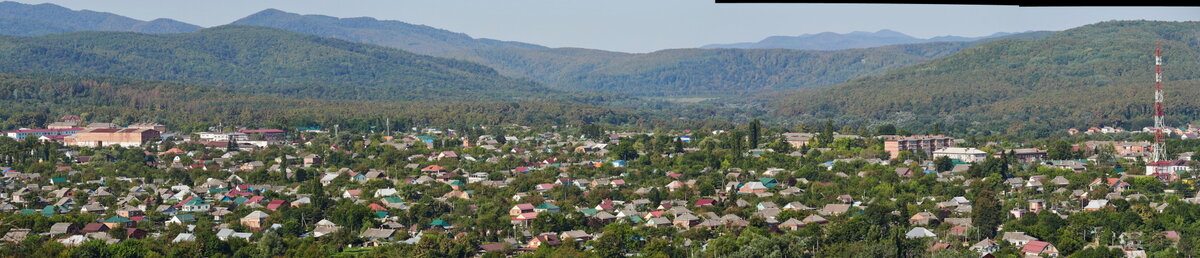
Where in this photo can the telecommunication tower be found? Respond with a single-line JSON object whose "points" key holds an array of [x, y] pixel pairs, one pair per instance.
{"points": [[1159, 152]]}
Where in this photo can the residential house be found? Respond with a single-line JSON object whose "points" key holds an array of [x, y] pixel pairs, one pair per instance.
{"points": [[922, 218], [686, 220], [1039, 248], [548, 239], [834, 209], [254, 219], [919, 232]]}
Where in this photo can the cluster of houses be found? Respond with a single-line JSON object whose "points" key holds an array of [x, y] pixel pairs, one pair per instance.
{"points": [[945, 220], [1190, 132]]}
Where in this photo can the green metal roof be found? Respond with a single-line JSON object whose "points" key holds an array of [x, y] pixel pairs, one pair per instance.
{"points": [[117, 219], [440, 223]]}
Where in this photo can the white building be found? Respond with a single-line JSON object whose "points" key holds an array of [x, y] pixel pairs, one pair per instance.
{"points": [[963, 154], [1167, 166], [223, 137]]}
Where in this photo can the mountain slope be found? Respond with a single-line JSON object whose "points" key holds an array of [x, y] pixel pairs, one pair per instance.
{"points": [[713, 72], [256, 59], [31, 20], [418, 39], [836, 41], [1099, 74]]}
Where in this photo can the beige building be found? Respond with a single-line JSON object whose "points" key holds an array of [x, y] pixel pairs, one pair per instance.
{"points": [[98, 137], [927, 143]]}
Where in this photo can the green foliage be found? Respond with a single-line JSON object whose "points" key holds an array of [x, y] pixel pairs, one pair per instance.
{"points": [[943, 163], [189, 108], [755, 132], [691, 72], [986, 213], [1081, 77], [263, 60]]}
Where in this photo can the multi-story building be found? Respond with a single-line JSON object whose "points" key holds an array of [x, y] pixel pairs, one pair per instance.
{"points": [[223, 137], [1124, 149], [800, 139], [963, 154], [1167, 166], [125, 137], [152, 126], [927, 143], [1029, 155], [36, 133]]}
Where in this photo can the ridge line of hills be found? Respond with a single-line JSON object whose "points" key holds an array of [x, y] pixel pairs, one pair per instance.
{"points": [[674, 72]]}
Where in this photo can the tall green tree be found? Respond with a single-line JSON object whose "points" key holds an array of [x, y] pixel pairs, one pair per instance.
{"points": [[754, 133], [943, 163], [825, 138], [986, 214]]}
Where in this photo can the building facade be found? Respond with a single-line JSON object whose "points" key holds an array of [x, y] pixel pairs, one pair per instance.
{"points": [[927, 143], [963, 154], [99, 137], [35, 133]]}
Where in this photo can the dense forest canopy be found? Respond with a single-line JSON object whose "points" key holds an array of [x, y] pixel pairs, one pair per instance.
{"points": [[263, 60], [678, 72], [1100, 74], [34, 100]]}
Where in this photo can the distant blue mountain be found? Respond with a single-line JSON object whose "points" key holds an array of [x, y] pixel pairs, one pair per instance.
{"points": [[32, 20], [835, 41]]}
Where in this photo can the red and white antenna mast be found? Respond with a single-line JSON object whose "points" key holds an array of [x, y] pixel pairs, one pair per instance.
{"points": [[1159, 152]]}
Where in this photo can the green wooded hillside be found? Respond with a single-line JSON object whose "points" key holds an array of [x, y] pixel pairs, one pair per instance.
{"points": [[1100, 74], [262, 60], [681, 72], [34, 100]]}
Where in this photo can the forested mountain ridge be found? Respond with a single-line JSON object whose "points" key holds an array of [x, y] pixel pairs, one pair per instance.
{"points": [[713, 72], [31, 20], [838, 41], [418, 39], [263, 60], [1099, 74]]}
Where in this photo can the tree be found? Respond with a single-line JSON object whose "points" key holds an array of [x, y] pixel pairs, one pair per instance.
{"points": [[617, 239], [1061, 150], [986, 214], [91, 248], [233, 144], [887, 129], [592, 131], [944, 163], [1106, 155], [825, 138], [754, 133]]}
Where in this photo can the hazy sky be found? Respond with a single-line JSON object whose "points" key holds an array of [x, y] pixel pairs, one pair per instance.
{"points": [[643, 26]]}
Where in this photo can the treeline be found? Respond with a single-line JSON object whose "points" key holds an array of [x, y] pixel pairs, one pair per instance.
{"points": [[35, 100]]}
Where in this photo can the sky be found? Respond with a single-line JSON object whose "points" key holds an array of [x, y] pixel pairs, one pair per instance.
{"points": [[641, 26]]}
